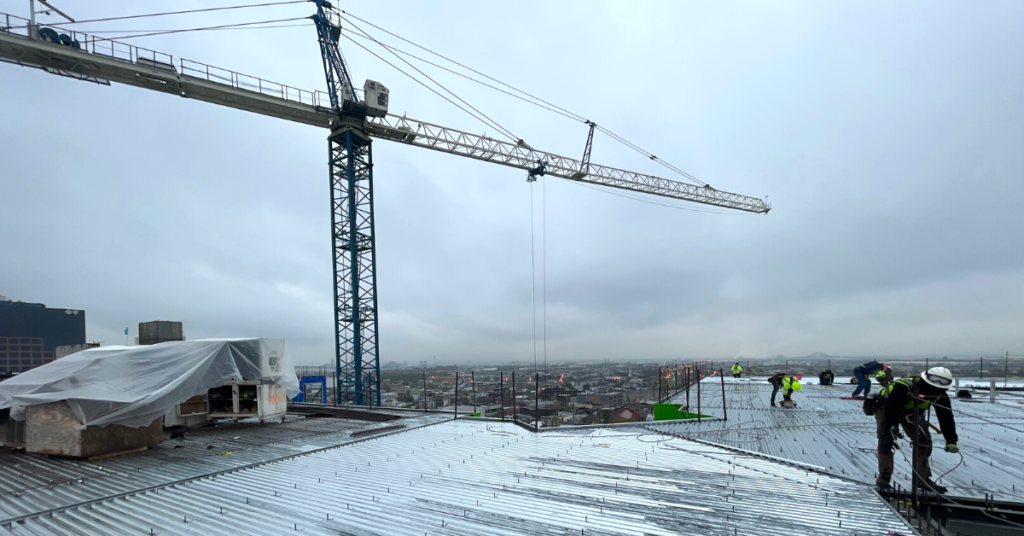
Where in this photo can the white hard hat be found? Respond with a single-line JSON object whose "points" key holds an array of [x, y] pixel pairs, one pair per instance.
{"points": [[939, 377]]}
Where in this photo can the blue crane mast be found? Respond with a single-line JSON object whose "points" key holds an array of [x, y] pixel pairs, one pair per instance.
{"points": [[350, 156]]}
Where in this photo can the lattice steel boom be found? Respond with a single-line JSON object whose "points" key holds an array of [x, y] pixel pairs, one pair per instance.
{"points": [[452, 141]]}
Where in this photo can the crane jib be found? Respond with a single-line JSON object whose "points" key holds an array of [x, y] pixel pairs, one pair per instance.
{"points": [[199, 81]]}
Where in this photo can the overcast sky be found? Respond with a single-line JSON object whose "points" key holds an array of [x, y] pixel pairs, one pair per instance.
{"points": [[889, 138]]}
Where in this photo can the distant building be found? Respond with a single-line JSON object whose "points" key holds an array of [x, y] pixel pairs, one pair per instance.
{"points": [[31, 332], [66, 350], [623, 415], [159, 331], [612, 399]]}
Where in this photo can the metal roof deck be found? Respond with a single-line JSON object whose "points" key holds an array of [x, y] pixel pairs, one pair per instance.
{"points": [[491, 478], [30, 482], [834, 434]]}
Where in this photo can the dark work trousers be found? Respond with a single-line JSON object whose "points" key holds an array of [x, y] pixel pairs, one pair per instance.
{"points": [[885, 448], [775, 390], [863, 383]]}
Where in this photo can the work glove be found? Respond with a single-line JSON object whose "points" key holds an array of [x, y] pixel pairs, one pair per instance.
{"points": [[895, 433], [951, 447]]}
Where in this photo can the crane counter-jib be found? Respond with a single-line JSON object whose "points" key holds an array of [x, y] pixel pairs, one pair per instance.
{"points": [[103, 60]]}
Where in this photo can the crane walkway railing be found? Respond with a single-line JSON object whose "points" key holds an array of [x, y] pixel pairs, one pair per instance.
{"points": [[243, 81], [82, 41], [112, 48]]}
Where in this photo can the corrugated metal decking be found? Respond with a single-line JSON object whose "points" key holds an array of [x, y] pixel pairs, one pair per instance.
{"points": [[833, 433], [476, 478], [31, 483]]}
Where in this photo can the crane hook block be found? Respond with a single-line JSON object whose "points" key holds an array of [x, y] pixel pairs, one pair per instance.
{"points": [[539, 171]]}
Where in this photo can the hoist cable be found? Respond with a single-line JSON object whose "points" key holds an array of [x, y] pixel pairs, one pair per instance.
{"points": [[225, 8], [544, 267], [95, 32], [470, 78], [533, 285], [546, 104], [494, 123], [238, 26], [578, 117]]}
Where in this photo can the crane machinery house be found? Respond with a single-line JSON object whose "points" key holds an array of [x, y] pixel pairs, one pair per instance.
{"points": [[376, 97]]}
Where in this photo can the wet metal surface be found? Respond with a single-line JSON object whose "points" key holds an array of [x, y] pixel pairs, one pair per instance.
{"points": [[491, 478], [835, 434], [31, 483]]}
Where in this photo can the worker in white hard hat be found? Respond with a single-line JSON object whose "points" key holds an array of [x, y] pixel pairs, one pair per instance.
{"points": [[930, 388]]}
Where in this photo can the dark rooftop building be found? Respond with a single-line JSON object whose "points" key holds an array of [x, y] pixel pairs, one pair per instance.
{"points": [[31, 332]]}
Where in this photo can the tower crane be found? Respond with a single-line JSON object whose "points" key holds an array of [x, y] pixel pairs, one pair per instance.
{"points": [[353, 119]]}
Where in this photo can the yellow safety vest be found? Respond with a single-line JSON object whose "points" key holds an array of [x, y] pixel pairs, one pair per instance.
{"points": [[789, 382], [736, 369], [922, 405]]}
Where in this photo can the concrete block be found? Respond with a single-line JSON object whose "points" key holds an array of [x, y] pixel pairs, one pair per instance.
{"points": [[53, 428]]}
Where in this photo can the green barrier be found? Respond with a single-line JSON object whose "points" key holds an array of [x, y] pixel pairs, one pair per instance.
{"points": [[674, 412]]}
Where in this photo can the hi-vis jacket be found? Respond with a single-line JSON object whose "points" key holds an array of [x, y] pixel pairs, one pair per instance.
{"points": [[736, 369], [790, 383], [899, 404]]}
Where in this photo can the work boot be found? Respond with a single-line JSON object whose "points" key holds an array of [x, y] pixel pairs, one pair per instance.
{"points": [[886, 462], [773, 404]]}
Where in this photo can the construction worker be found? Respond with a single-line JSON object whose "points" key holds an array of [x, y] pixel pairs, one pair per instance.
{"points": [[875, 404], [885, 377], [789, 384], [737, 370], [826, 377], [776, 381], [862, 373], [930, 388]]}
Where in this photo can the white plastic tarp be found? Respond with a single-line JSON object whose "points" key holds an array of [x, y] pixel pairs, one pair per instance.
{"points": [[134, 385]]}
